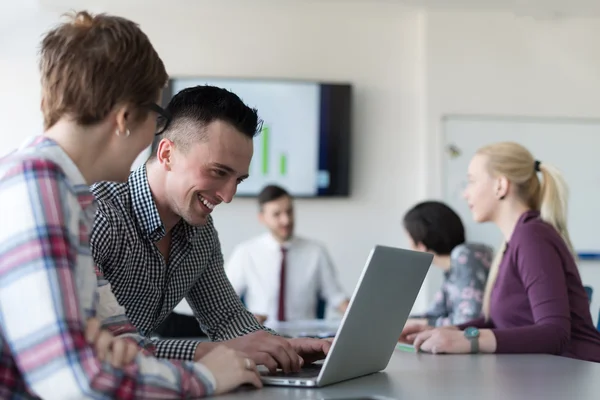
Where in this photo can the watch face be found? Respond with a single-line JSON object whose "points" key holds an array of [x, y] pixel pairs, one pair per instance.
{"points": [[471, 332]]}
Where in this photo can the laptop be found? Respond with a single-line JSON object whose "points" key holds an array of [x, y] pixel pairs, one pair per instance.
{"points": [[368, 333]]}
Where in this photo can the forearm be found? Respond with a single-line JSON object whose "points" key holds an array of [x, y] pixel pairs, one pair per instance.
{"points": [[152, 378], [145, 378], [542, 338]]}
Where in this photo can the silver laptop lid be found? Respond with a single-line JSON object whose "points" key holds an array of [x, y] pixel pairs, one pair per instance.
{"points": [[378, 310]]}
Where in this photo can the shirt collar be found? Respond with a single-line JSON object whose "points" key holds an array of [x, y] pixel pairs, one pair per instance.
{"points": [[50, 149], [144, 207], [189, 231], [523, 219], [146, 212], [43, 146], [274, 244], [528, 216]]}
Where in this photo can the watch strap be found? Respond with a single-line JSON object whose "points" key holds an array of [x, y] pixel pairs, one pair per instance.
{"points": [[474, 344]]}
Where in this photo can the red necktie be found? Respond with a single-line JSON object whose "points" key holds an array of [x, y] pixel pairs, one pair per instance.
{"points": [[281, 312]]}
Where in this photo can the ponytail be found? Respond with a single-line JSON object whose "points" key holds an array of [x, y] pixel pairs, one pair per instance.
{"points": [[554, 202]]}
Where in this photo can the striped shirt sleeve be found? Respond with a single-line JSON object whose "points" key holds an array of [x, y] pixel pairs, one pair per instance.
{"points": [[42, 283], [220, 311]]}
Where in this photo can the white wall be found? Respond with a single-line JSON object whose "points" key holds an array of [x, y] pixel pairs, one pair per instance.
{"points": [[19, 80], [498, 64]]}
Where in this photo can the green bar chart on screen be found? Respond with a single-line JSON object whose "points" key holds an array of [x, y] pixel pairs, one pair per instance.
{"points": [[265, 149], [265, 156], [282, 164]]}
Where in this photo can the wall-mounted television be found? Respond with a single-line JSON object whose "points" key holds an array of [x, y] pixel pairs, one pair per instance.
{"points": [[304, 144]]}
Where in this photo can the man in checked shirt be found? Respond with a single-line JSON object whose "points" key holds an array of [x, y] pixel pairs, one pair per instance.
{"points": [[155, 243]]}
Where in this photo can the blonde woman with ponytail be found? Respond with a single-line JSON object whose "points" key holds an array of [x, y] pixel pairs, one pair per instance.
{"points": [[534, 301]]}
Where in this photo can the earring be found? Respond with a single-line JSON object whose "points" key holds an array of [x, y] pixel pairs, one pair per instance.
{"points": [[127, 133]]}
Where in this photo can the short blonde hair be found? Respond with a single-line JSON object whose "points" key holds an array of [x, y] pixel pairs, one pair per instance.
{"points": [[89, 64], [550, 196]]}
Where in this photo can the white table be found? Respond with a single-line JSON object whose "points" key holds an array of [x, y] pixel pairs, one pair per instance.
{"points": [[414, 376]]}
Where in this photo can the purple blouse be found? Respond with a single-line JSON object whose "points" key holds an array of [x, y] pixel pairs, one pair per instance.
{"points": [[538, 304]]}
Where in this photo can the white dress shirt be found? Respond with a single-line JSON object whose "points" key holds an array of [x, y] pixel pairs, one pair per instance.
{"points": [[254, 268]]}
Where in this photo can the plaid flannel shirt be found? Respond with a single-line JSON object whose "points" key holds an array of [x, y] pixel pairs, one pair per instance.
{"points": [[48, 290]]}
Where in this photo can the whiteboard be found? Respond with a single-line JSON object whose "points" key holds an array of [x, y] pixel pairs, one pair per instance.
{"points": [[572, 145]]}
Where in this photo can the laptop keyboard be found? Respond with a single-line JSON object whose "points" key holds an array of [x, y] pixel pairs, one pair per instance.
{"points": [[309, 371]]}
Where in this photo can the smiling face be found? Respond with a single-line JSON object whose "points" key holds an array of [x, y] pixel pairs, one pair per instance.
{"points": [[482, 191], [208, 172]]}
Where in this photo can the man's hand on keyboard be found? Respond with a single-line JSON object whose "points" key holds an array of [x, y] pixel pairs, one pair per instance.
{"points": [[263, 348], [311, 350]]}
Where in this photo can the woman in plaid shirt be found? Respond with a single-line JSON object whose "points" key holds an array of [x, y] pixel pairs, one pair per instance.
{"points": [[101, 79]]}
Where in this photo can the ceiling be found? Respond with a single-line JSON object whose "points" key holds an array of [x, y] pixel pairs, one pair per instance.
{"points": [[535, 8], [551, 8], [547, 7]]}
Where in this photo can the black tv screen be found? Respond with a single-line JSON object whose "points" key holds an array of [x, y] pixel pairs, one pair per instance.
{"points": [[304, 144]]}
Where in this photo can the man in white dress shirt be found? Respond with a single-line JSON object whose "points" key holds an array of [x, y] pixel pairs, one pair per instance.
{"points": [[282, 276]]}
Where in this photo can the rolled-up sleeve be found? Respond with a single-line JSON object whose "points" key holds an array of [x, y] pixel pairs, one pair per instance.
{"points": [[215, 303], [539, 265]]}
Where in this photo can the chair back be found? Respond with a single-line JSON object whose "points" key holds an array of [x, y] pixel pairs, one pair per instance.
{"points": [[589, 291]]}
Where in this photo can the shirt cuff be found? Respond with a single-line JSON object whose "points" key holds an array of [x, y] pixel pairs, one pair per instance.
{"points": [[176, 349], [210, 378]]}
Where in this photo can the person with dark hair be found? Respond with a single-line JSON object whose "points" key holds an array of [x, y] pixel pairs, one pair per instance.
{"points": [[282, 276], [434, 227], [155, 242]]}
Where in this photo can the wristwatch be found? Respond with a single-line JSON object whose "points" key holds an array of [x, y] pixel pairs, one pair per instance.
{"points": [[472, 335]]}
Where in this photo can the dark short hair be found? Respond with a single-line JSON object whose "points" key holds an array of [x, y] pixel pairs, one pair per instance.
{"points": [[202, 105], [435, 225], [271, 193]]}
